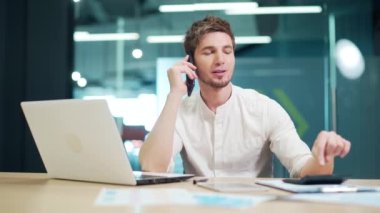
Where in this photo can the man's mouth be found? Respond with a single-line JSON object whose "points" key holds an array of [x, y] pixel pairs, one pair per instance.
{"points": [[218, 71]]}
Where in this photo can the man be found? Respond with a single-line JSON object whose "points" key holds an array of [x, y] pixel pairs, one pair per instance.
{"points": [[225, 130]]}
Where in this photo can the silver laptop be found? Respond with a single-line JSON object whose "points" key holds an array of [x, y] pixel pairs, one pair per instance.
{"points": [[79, 140]]}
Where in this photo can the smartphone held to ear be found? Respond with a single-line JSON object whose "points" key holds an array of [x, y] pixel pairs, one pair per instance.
{"points": [[190, 82]]}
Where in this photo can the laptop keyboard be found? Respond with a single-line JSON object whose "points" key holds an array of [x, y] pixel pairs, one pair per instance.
{"points": [[144, 177]]}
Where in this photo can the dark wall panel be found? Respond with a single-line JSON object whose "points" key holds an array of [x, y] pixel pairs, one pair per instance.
{"points": [[2, 67], [14, 32], [36, 64]]}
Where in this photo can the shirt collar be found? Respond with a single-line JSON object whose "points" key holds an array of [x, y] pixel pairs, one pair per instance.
{"points": [[221, 110]]}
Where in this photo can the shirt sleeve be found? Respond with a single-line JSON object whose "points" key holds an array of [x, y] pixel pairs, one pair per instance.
{"points": [[292, 152]]}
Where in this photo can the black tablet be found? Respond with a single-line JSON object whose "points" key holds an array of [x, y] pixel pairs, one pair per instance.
{"points": [[316, 179]]}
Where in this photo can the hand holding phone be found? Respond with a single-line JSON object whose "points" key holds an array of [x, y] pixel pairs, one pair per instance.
{"points": [[190, 82]]}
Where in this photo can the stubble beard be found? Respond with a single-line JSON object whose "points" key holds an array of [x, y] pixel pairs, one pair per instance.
{"points": [[217, 84]]}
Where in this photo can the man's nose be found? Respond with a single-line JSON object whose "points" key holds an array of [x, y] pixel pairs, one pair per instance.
{"points": [[219, 58]]}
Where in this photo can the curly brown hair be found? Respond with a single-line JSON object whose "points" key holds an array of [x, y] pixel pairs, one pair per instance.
{"points": [[207, 25]]}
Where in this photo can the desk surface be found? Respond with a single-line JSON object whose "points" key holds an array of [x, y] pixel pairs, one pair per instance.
{"points": [[30, 192]]}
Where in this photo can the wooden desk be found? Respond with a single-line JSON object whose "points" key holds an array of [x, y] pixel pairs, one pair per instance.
{"points": [[28, 192]]}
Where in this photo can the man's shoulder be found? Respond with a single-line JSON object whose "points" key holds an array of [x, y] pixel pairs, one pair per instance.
{"points": [[189, 102], [251, 95]]}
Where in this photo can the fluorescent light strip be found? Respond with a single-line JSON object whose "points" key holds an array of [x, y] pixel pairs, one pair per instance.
{"points": [[238, 39], [275, 10], [206, 7], [253, 39], [165, 39], [85, 36]]}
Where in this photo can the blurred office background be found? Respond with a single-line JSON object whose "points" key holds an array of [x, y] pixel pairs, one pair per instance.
{"points": [[319, 59]]}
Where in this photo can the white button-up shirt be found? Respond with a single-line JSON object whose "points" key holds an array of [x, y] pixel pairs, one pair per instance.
{"points": [[239, 139]]}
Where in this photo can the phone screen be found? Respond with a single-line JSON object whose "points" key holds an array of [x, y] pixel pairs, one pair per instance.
{"points": [[189, 82]]}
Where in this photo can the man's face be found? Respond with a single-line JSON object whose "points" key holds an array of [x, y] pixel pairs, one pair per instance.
{"points": [[215, 59]]}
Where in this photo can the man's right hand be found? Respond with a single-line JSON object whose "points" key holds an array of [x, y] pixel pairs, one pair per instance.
{"points": [[177, 85], [157, 150]]}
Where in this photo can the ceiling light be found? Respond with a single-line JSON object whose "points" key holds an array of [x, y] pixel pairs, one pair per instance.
{"points": [[349, 59], [180, 38], [206, 7], [137, 53], [275, 10], [85, 36], [252, 39], [165, 39], [75, 76], [82, 82]]}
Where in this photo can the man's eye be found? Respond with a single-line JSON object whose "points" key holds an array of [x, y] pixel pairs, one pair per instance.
{"points": [[228, 51]]}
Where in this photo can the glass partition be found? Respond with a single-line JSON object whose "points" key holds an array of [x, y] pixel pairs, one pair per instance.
{"points": [[318, 59]]}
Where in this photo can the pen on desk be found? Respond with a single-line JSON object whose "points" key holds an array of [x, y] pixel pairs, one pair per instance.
{"points": [[200, 180]]}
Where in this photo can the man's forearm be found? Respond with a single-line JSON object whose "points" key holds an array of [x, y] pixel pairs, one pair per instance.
{"points": [[312, 167], [156, 152]]}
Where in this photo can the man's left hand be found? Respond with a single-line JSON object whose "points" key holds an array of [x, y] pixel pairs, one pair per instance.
{"points": [[328, 145]]}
